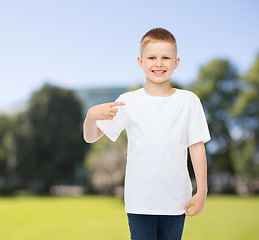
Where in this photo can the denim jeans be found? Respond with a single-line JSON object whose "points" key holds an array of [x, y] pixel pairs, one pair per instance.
{"points": [[155, 227]]}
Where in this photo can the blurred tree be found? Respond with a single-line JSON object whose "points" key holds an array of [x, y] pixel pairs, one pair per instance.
{"points": [[26, 163], [245, 148], [4, 126], [49, 140], [217, 88], [7, 153], [106, 162]]}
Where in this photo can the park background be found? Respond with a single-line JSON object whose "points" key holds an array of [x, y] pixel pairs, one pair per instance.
{"points": [[59, 58]]}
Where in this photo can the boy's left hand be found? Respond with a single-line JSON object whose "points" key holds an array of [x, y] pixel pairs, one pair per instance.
{"points": [[198, 201]]}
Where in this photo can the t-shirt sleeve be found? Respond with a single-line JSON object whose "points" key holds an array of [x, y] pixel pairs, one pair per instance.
{"points": [[197, 124], [113, 127]]}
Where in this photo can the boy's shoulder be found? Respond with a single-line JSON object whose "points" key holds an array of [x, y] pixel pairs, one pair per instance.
{"points": [[189, 93]]}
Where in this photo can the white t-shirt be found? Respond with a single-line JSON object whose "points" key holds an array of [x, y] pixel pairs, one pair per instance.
{"points": [[159, 131]]}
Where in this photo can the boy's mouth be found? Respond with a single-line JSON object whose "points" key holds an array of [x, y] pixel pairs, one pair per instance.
{"points": [[160, 72]]}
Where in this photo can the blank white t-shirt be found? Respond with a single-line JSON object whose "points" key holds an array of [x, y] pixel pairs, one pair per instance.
{"points": [[159, 131]]}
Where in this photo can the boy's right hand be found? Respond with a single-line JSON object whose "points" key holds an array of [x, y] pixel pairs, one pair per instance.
{"points": [[104, 111]]}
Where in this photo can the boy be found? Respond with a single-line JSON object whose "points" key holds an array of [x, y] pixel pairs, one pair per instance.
{"points": [[161, 123]]}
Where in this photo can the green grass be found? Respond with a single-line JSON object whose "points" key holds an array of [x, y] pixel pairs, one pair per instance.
{"points": [[225, 217], [102, 217]]}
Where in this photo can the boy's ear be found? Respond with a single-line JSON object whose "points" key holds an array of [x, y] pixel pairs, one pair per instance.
{"points": [[177, 61], [140, 62]]}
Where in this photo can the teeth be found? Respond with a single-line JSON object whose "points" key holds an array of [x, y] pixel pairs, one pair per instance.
{"points": [[158, 71]]}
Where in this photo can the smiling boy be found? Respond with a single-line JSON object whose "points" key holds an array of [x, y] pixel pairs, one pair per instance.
{"points": [[161, 123]]}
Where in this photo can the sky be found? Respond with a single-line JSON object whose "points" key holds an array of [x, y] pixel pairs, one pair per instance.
{"points": [[79, 44]]}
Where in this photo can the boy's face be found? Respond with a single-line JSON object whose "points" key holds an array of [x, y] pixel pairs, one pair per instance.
{"points": [[158, 56]]}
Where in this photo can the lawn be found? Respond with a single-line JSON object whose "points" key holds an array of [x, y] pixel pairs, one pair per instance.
{"points": [[102, 217]]}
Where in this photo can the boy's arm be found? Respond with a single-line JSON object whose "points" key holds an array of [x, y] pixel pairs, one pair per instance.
{"points": [[199, 162], [91, 132], [105, 111]]}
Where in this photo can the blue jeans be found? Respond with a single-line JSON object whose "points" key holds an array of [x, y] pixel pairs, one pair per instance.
{"points": [[155, 227]]}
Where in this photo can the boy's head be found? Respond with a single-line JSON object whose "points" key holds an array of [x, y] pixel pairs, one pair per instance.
{"points": [[157, 35], [158, 55]]}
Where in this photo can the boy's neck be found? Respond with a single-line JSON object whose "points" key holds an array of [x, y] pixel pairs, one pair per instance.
{"points": [[157, 90]]}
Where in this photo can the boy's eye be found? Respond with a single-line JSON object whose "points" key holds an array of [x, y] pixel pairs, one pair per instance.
{"points": [[153, 57]]}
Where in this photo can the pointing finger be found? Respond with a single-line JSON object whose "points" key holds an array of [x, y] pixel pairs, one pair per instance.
{"points": [[118, 104]]}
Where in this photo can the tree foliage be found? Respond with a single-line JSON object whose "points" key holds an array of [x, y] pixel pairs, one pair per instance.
{"points": [[245, 148], [217, 88], [49, 138]]}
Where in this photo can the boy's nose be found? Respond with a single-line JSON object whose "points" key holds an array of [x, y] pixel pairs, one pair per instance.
{"points": [[158, 63]]}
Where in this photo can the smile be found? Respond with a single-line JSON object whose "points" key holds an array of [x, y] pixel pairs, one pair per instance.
{"points": [[158, 72]]}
